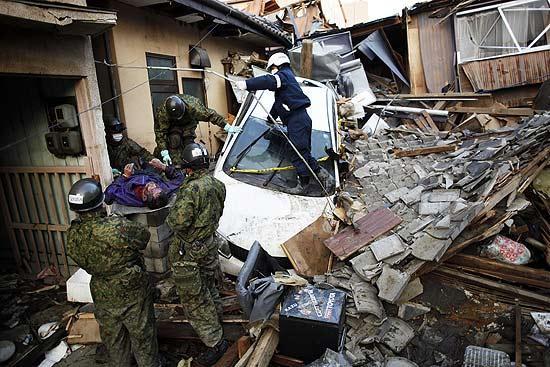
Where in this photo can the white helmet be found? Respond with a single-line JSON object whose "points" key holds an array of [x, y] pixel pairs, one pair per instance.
{"points": [[277, 59]]}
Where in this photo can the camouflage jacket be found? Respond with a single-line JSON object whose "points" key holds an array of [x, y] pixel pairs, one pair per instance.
{"points": [[127, 151], [195, 112], [106, 246], [198, 207]]}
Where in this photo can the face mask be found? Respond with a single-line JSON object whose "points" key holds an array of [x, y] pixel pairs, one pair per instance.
{"points": [[118, 137]]}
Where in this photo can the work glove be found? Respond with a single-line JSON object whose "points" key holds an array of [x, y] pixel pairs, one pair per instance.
{"points": [[241, 84], [166, 157], [230, 129]]}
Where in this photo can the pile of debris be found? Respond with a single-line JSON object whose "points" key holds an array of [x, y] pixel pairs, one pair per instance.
{"points": [[415, 199]]}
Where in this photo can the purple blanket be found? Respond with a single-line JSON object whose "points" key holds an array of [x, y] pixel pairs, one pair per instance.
{"points": [[122, 189]]}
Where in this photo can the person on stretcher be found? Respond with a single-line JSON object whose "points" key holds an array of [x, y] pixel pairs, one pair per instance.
{"points": [[150, 187]]}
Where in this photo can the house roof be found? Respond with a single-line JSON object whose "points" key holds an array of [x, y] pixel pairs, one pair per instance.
{"points": [[61, 18], [220, 11]]}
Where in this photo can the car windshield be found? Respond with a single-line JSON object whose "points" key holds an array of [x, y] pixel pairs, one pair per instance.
{"points": [[260, 154]]}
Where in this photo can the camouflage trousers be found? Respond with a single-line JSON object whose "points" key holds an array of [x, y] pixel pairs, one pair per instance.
{"points": [[125, 313], [196, 274]]}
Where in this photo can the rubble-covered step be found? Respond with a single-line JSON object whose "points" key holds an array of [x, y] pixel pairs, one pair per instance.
{"points": [[156, 265], [160, 233], [157, 250], [152, 219]]}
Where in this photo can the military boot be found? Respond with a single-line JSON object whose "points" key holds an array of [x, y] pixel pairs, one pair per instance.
{"points": [[212, 355]]}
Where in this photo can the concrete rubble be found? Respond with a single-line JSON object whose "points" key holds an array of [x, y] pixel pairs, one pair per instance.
{"points": [[437, 196]]}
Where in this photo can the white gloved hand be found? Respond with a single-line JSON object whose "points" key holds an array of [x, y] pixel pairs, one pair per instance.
{"points": [[230, 129], [241, 84], [166, 157]]}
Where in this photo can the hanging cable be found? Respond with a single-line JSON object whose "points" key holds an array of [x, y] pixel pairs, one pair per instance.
{"points": [[7, 146]]}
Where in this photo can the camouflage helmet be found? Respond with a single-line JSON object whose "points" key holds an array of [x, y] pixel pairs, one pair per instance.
{"points": [[85, 195], [194, 155], [175, 107]]}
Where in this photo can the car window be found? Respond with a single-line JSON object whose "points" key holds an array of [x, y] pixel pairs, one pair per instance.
{"points": [[261, 154]]}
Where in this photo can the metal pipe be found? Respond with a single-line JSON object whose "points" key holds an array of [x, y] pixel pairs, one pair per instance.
{"points": [[412, 110]]}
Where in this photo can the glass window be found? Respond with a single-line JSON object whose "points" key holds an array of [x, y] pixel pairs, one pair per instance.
{"points": [[195, 88], [163, 83], [161, 61]]}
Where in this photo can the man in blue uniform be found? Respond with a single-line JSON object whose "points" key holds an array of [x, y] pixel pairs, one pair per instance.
{"points": [[290, 106]]}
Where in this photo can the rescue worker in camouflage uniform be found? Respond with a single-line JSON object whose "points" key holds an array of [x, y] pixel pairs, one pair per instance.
{"points": [[193, 253], [123, 150], [176, 122], [108, 248]]}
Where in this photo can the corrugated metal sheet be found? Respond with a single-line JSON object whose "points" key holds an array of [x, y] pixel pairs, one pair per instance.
{"points": [[508, 71]]}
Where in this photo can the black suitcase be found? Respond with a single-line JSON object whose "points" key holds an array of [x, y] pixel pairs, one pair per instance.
{"points": [[312, 320]]}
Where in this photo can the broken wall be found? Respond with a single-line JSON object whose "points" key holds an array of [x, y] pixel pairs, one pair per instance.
{"points": [[139, 32]]}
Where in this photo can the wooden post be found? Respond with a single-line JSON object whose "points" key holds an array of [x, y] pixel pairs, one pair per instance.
{"points": [[306, 59], [265, 348], [518, 333], [416, 67]]}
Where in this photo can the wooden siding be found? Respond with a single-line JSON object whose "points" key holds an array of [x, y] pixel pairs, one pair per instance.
{"points": [[507, 71]]}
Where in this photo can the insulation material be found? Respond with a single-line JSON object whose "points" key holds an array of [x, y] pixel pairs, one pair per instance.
{"points": [[375, 45], [353, 82]]}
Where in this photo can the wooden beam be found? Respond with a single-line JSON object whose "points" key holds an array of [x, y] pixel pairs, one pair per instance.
{"points": [[423, 151], [306, 59], [230, 357], [493, 111], [539, 277], [518, 292], [92, 128], [416, 67], [518, 334]]}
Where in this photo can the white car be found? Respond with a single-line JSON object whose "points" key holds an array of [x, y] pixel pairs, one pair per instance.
{"points": [[256, 206]]}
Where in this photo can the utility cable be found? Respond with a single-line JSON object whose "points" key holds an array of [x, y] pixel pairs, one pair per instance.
{"points": [[7, 146]]}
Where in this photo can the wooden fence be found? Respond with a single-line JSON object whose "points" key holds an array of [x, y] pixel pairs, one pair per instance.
{"points": [[34, 205]]}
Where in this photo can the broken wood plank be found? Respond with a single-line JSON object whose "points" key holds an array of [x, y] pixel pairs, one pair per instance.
{"points": [[265, 348], [281, 360], [491, 284], [306, 251], [243, 344], [539, 277], [423, 151], [493, 111], [430, 121], [230, 357], [509, 278], [180, 329], [366, 230]]}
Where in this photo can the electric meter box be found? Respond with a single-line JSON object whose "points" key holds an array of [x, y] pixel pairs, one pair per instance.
{"points": [[71, 142], [53, 143], [65, 116]]}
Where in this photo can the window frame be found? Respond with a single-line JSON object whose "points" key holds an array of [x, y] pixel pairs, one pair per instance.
{"points": [[501, 8], [162, 85], [203, 86]]}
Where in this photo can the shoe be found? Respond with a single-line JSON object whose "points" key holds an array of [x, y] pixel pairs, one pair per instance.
{"points": [[212, 355]]}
